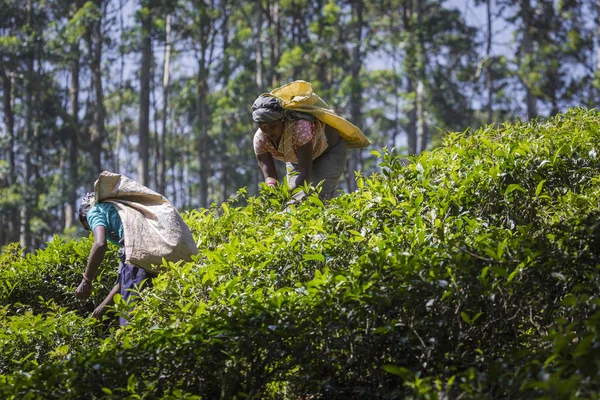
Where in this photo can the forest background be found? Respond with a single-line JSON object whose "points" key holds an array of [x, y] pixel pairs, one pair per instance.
{"points": [[161, 91]]}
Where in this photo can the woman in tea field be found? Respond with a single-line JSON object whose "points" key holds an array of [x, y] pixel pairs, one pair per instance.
{"points": [[297, 127]]}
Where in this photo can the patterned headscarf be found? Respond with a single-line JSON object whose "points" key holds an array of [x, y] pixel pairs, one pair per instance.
{"points": [[87, 202], [267, 109]]}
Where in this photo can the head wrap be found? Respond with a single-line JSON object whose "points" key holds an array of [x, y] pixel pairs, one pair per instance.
{"points": [[267, 109], [88, 199], [87, 202]]}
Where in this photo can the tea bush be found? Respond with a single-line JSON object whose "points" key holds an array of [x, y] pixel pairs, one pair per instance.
{"points": [[471, 272], [51, 274]]}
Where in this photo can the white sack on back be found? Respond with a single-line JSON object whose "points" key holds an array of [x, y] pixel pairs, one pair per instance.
{"points": [[152, 227]]}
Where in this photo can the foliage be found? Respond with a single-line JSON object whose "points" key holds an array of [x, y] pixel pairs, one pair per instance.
{"points": [[471, 272], [51, 274]]}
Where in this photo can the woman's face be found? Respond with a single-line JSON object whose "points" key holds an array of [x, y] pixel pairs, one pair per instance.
{"points": [[272, 129], [85, 224]]}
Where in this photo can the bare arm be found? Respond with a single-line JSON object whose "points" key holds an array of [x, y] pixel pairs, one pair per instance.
{"points": [[304, 154], [108, 301], [267, 166], [95, 259]]}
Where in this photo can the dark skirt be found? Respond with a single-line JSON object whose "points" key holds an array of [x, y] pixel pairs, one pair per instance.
{"points": [[132, 280], [328, 167]]}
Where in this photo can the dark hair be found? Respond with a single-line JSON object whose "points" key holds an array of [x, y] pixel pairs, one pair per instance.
{"points": [[86, 204]]}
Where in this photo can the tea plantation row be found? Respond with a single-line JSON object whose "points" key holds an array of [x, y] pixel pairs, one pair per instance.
{"points": [[472, 272]]}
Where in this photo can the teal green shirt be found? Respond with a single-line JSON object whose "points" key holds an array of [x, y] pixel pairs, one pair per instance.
{"points": [[106, 215]]}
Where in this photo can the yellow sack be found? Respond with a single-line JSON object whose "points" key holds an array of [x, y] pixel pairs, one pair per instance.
{"points": [[299, 96], [152, 227]]}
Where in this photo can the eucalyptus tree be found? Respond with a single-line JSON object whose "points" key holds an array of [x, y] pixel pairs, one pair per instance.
{"points": [[554, 45], [565, 46], [166, 80], [31, 27], [526, 61], [145, 16], [431, 53], [233, 130], [359, 52], [70, 34], [596, 8], [488, 61], [94, 12], [24, 42], [449, 69], [12, 19], [198, 23], [35, 114]]}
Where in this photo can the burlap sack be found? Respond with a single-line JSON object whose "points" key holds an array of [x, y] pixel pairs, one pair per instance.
{"points": [[152, 227]]}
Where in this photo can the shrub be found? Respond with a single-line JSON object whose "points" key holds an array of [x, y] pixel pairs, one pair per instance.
{"points": [[471, 272]]}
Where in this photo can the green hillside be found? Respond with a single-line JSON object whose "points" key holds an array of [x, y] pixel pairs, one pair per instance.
{"points": [[473, 272]]}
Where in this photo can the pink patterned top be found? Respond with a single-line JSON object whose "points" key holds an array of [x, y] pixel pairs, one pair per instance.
{"points": [[295, 134]]}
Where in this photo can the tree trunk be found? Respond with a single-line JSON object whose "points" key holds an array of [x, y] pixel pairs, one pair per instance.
{"points": [[144, 120], [276, 43], [225, 159], [8, 82], [422, 128], [258, 47], [117, 152], [597, 48], [412, 120], [25, 234], [73, 142], [354, 159], [203, 163], [411, 129], [489, 79], [162, 170], [97, 133], [598, 36], [526, 49]]}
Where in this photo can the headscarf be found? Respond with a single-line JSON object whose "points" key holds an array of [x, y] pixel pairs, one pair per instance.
{"points": [[87, 202], [267, 108]]}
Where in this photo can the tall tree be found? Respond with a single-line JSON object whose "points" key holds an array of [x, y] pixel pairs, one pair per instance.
{"points": [[354, 159], [145, 76], [9, 215], [422, 126], [201, 28], [162, 172], [95, 38], [25, 237], [73, 131], [488, 55], [258, 45], [275, 39], [525, 14], [598, 38], [410, 66]]}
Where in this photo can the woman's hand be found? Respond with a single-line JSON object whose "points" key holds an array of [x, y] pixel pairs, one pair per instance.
{"points": [[99, 311], [271, 181], [267, 166], [84, 289]]}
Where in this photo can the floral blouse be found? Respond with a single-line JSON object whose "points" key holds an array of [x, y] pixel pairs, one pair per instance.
{"points": [[295, 134]]}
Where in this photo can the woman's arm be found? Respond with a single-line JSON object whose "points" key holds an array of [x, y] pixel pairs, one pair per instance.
{"points": [[108, 301], [95, 259], [267, 166]]}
